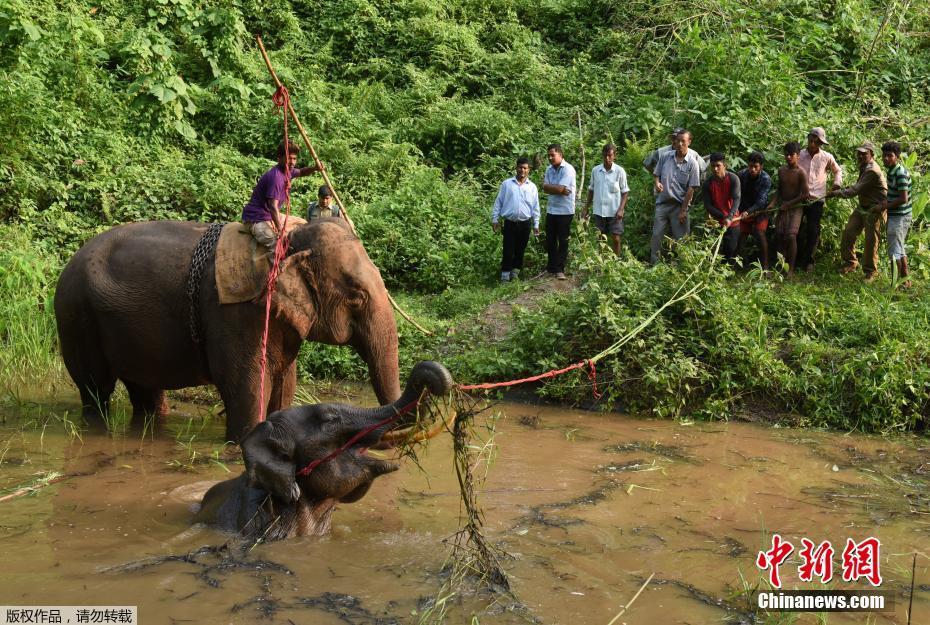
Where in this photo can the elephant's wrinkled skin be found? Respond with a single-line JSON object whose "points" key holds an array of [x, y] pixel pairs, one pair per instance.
{"points": [[270, 500], [123, 314]]}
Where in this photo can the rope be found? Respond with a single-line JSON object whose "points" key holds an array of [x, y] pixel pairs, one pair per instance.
{"points": [[679, 296], [281, 99], [314, 464]]}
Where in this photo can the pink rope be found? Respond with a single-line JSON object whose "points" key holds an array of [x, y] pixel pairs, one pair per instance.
{"points": [[281, 99]]}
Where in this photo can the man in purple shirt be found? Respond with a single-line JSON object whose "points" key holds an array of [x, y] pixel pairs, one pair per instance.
{"points": [[262, 213]]}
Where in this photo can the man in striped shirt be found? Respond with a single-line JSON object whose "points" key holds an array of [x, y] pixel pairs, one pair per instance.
{"points": [[899, 209], [517, 204]]}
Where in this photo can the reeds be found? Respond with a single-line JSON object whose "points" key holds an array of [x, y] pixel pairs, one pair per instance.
{"points": [[28, 339]]}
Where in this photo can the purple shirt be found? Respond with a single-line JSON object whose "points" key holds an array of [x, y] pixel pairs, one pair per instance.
{"points": [[271, 186]]}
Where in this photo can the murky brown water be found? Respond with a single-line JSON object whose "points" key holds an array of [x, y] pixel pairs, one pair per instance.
{"points": [[588, 504]]}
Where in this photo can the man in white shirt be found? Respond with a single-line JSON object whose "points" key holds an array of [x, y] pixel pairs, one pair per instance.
{"points": [[607, 195], [815, 163], [517, 204], [559, 184]]}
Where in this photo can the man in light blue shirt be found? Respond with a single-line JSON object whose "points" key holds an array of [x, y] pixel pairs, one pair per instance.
{"points": [[559, 184], [517, 204], [607, 195]]}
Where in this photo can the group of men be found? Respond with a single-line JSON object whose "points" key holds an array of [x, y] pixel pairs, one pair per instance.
{"points": [[741, 203], [517, 206]]}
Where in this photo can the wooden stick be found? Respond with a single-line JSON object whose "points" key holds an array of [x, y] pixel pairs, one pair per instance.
{"points": [[641, 588], [409, 319], [40, 484], [581, 145], [329, 183], [303, 134]]}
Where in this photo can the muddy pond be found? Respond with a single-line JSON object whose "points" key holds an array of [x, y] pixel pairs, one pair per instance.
{"points": [[588, 505]]}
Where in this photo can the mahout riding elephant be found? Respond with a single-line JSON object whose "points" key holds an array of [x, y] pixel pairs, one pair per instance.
{"points": [[123, 314], [272, 501]]}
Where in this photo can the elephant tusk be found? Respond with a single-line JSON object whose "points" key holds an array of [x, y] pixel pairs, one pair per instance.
{"points": [[397, 437]]}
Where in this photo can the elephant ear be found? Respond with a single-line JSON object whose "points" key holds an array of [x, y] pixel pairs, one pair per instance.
{"points": [[269, 461], [294, 301]]}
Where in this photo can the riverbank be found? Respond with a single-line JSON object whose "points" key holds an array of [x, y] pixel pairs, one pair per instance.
{"points": [[826, 350]]}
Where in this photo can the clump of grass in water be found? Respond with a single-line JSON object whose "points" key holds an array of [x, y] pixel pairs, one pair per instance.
{"points": [[474, 564]]}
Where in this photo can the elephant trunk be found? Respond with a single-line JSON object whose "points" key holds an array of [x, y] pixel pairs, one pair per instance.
{"points": [[378, 347], [428, 375]]}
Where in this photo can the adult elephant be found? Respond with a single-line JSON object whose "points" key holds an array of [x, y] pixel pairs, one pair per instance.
{"points": [[303, 460], [123, 314]]}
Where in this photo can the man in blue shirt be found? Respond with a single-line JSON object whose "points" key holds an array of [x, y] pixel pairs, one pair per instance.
{"points": [[517, 204], [559, 184], [755, 186]]}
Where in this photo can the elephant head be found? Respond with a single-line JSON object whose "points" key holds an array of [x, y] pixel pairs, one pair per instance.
{"points": [[329, 291], [276, 450]]}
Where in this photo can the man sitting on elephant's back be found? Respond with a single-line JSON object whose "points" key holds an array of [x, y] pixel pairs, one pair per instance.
{"points": [[262, 213]]}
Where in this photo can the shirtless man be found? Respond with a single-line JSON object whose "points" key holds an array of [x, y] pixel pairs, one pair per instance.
{"points": [[792, 191]]}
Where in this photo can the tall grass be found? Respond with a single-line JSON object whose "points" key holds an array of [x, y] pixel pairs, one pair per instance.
{"points": [[28, 338]]}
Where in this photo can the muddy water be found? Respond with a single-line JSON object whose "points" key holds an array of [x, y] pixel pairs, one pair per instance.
{"points": [[588, 505]]}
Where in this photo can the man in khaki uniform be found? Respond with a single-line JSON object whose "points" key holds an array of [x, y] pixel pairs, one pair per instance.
{"points": [[870, 215]]}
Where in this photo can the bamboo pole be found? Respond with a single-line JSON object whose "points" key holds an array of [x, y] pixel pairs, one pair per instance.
{"points": [[329, 183], [303, 134]]}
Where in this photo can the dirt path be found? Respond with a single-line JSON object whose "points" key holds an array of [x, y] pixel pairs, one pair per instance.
{"points": [[495, 319]]}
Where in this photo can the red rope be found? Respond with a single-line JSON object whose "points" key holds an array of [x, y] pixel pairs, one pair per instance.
{"points": [[281, 99], [314, 464], [592, 375]]}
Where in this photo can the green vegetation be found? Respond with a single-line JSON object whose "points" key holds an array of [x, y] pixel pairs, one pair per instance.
{"points": [[123, 110]]}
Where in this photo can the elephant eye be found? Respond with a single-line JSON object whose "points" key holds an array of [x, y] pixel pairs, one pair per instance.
{"points": [[357, 297]]}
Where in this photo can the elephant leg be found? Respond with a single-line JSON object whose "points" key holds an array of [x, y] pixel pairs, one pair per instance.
{"points": [[91, 375], [242, 406], [95, 400], [282, 393], [147, 403], [239, 389]]}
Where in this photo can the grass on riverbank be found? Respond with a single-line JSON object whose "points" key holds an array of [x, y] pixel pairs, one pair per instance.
{"points": [[28, 337], [831, 351]]}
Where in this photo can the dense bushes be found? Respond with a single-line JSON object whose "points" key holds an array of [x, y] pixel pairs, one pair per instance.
{"points": [[838, 352]]}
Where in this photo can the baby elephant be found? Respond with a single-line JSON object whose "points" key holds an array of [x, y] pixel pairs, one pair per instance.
{"points": [[271, 500]]}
